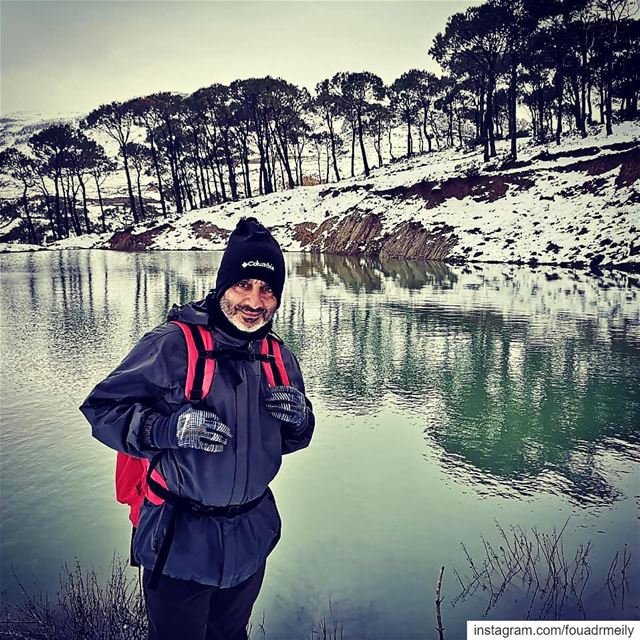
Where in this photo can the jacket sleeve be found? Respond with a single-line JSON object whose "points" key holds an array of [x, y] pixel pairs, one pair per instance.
{"points": [[290, 441], [131, 396]]}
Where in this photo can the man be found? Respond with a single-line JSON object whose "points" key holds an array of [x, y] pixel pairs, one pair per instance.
{"points": [[208, 534]]}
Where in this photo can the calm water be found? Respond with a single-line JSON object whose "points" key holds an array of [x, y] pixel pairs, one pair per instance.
{"points": [[449, 401]]}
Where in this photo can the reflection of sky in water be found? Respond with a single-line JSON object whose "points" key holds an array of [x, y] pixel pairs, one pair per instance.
{"points": [[446, 398]]}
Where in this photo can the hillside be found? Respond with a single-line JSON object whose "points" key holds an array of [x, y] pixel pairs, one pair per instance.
{"points": [[576, 204]]}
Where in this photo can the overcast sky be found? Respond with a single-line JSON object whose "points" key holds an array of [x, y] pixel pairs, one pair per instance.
{"points": [[71, 56]]}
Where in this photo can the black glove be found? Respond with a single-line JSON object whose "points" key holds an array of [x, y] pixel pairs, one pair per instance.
{"points": [[289, 405], [188, 428]]}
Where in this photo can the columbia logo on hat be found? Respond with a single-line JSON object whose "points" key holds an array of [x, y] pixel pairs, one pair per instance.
{"points": [[252, 252], [257, 263]]}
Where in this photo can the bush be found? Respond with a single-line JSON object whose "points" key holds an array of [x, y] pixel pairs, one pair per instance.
{"points": [[84, 608]]}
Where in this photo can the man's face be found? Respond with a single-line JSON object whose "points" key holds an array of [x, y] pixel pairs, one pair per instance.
{"points": [[249, 304]]}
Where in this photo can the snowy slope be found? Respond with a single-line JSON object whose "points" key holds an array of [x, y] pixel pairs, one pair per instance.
{"points": [[574, 204]]}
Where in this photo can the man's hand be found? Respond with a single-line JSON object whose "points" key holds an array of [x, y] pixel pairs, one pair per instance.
{"points": [[287, 404], [188, 428]]}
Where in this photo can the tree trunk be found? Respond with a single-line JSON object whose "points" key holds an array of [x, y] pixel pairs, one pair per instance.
{"points": [[47, 201], [299, 164], [485, 131], [174, 170], [65, 209], [353, 149], [280, 165], [379, 146], [542, 132], [273, 164], [364, 154], [102, 216], [51, 215], [207, 178], [409, 139], [333, 148], [608, 94], [200, 192], [490, 116], [200, 181], [218, 170], [59, 223], [71, 194], [583, 88], [184, 179], [280, 143], [129, 187], [156, 166], [31, 230], [245, 160], [85, 211], [425, 111], [513, 90], [559, 99], [265, 183], [480, 128], [142, 213], [436, 133], [578, 104], [270, 168], [326, 153], [233, 183], [215, 181]]}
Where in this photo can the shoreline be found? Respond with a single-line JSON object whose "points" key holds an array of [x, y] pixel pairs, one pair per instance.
{"points": [[595, 268]]}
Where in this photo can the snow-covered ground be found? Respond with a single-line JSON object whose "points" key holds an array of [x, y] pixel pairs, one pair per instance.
{"points": [[18, 247], [573, 203]]}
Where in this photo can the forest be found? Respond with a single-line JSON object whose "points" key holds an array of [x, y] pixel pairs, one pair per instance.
{"points": [[511, 69]]}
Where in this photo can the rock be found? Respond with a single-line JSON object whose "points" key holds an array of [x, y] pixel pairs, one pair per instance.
{"points": [[126, 240], [359, 234], [209, 231]]}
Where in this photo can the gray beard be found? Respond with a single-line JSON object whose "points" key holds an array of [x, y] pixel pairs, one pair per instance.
{"points": [[232, 314]]}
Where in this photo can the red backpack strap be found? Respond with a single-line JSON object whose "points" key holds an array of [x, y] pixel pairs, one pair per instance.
{"points": [[201, 366], [274, 368], [131, 473]]}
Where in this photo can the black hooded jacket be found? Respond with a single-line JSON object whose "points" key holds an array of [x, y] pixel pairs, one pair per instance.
{"points": [[150, 382]]}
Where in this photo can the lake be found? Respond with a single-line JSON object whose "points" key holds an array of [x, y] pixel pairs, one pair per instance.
{"points": [[467, 417]]}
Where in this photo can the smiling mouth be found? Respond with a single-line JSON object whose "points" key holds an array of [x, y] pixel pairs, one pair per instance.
{"points": [[250, 317]]}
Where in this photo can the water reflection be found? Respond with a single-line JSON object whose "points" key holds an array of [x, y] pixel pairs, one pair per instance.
{"points": [[523, 390], [519, 378]]}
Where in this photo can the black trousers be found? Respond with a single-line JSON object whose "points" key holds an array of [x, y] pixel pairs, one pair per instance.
{"points": [[185, 610]]}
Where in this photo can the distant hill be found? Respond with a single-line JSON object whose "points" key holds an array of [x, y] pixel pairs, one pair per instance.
{"points": [[17, 128]]}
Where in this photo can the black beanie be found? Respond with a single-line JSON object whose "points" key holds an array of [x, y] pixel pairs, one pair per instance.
{"points": [[252, 252]]}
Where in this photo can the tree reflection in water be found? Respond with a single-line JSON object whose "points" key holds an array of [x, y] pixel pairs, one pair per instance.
{"points": [[520, 378]]}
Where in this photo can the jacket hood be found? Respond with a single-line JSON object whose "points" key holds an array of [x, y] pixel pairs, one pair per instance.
{"points": [[193, 313]]}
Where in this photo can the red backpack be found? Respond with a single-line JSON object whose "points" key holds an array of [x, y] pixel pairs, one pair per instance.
{"points": [[131, 473]]}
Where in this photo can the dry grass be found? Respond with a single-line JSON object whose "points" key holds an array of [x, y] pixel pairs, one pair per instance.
{"points": [[84, 609], [533, 561], [537, 562]]}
